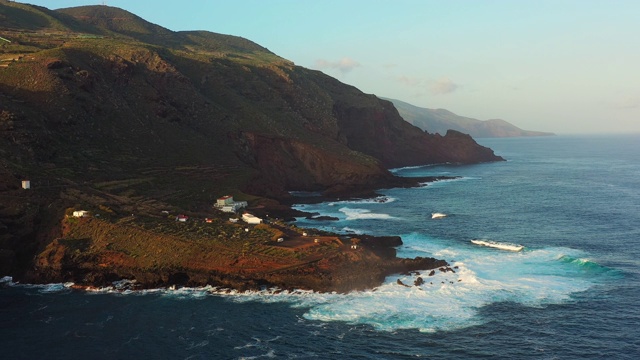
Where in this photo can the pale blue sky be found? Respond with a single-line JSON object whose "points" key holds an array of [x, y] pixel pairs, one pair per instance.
{"points": [[567, 66]]}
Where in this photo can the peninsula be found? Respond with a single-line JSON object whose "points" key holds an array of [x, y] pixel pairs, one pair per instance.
{"points": [[140, 126]]}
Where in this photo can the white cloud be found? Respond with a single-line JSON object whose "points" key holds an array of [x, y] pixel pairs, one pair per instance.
{"points": [[629, 103], [409, 81], [344, 65], [443, 86]]}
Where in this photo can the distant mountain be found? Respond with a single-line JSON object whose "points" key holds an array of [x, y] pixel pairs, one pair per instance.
{"points": [[441, 120]]}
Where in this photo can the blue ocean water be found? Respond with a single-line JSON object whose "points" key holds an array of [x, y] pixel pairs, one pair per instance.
{"points": [[573, 292]]}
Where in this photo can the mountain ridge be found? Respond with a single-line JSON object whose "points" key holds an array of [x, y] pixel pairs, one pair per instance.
{"points": [[441, 120]]}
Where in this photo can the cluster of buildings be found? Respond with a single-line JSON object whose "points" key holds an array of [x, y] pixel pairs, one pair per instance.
{"points": [[227, 204], [224, 204]]}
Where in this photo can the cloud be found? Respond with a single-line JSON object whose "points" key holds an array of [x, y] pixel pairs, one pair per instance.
{"points": [[344, 65], [629, 103], [443, 86], [409, 81]]}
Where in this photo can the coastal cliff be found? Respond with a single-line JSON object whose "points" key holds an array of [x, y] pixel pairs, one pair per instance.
{"points": [[128, 118]]}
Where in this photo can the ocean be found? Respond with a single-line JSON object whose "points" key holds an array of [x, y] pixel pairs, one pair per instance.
{"points": [[572, 292]]}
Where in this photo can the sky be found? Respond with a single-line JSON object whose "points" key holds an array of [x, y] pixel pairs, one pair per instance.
{"points": [[564, 66]]}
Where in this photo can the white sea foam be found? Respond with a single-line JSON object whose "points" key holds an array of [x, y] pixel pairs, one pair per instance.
{"points": [[259, 344], [189, 293], [449, 300], [443, 182], [445, 301], [347, 229], [374, 200], [360, 214], [47, 288], [400, 169]]}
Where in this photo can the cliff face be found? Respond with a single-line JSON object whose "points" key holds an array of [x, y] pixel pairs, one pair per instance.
{"points": [[396, 143], [294, 164]]}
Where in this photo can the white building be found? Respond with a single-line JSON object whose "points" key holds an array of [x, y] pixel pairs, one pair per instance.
{"points": [[251, 219], [26, 184], [227, 204], [225, 200], [81, 213]]}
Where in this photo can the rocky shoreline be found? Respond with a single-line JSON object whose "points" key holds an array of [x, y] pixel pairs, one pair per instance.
{"points": [[340, 268], [95, 253]]}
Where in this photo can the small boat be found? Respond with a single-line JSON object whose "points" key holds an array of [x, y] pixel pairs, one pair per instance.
{"points": [[498, 245], [438, 215]]}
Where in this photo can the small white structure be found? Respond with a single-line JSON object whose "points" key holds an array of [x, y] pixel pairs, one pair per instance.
{"points": [[26, 184], [182, 218], [227, 204], [251, 219], [438, 215], [81, 213]]}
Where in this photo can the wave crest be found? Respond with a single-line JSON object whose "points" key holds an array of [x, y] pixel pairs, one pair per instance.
{"points": [[364, 214]]}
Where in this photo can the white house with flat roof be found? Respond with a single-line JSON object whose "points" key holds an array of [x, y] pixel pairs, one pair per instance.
{"points": [[251, 219], [227, 204]]}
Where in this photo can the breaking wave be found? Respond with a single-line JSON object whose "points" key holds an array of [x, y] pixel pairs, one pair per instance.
{"points": [[442, 300], [449, 300], [363, 214]]}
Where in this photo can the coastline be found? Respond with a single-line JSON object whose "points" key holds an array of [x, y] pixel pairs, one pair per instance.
{"points": [[331, 264], [94, 253]]}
